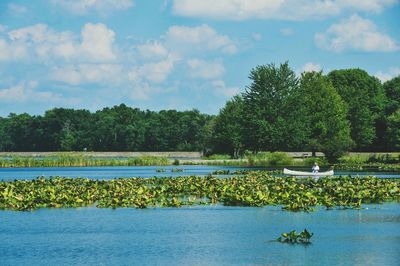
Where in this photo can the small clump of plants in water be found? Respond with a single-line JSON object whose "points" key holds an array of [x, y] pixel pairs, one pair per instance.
{"points": [[255, 189], [293, 237], [177, 170]]}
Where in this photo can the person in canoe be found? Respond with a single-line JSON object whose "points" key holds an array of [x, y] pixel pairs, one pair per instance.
{"points": [[315, 168]]}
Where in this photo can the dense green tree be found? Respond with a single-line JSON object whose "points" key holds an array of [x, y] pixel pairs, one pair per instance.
{"points": [[365, 99], [119, 128], [67, 138], [324, 114], [24, 132], [265, 106], [392, 90], [227, 136], [5, 138], [387, 134], [393, 131]]}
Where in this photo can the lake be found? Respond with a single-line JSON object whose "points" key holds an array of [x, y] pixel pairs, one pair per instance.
{"points": [[139, 171], [202, 235]]}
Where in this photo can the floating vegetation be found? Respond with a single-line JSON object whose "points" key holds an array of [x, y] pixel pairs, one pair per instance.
{"points": [[176, 170], [368, 166], [253, 189], [243, 172], [293, 237], [160, 170], [221, 172], [65, 160]]}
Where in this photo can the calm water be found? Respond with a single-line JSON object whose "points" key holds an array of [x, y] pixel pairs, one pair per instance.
{"points": [[110, 172], [209, 235], [136, 171]]}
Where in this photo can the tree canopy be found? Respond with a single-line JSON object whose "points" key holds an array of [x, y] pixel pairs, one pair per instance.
{"points": [[365, 99], [344, 110]]}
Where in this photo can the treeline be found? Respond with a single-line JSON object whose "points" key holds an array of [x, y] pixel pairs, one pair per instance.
{"points": [[119, 128], [334, 113]]}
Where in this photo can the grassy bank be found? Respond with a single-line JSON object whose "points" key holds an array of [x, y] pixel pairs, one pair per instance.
{"points": [[352, 162], [253, 189], [65, 160]]}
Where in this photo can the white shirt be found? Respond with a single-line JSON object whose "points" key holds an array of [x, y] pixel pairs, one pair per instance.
{"points": [[315, 169]]}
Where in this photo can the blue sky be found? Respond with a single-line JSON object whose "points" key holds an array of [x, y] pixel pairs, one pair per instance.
{"points": [[180, 54]]}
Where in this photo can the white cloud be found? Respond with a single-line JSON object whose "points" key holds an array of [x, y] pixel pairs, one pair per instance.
{"points": [[155, 72], [82, 7], [17, 9], [388, 75], [26, 91], [143, 91], [14, 51], [88, 73], [309, 67], [152, 50], [205, 70], [201, 38], [286, 31], [275, 9], [221, 89], [97, 41], [355, 33], [39, 42]]}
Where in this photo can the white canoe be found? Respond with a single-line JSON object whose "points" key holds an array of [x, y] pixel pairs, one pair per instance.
{"points": [[301, 173]]}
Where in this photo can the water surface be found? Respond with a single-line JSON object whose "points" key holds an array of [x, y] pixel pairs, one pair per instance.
{"points": [[139, 171], [204, 235]]}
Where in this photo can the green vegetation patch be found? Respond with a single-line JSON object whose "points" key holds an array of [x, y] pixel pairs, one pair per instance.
{"points": [[66, 160], [253, 189], [293, 237]]}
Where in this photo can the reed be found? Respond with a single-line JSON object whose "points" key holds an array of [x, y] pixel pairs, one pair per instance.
{"points": [[65, 160]]}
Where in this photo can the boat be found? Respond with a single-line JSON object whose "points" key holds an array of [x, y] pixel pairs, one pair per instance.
{"points": [[301, 173]]}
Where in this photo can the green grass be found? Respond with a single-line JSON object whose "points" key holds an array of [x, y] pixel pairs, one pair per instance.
{"points": [[65, 160], [218, 157]]}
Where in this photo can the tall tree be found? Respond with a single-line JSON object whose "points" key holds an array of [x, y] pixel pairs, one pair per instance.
{"points": [[365, 99], [265, 106], [228, 128], [392, 90], [390, 139], [393, 131], [324, 114], [6, 143]]}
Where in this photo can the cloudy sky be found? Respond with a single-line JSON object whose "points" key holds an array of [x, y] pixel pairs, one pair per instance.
{"points": [[179, 54]]}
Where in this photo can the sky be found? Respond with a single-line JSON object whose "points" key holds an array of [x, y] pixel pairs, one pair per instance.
{"points": [[180, 54]]}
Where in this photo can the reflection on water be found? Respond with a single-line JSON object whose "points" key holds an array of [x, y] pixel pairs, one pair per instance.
{"points": [[139, 171], [211, 235]]}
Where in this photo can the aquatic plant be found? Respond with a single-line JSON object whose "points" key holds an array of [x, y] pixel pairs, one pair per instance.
{"points": [[253, 189], [175, 170], [367, 166], [293, 237]]}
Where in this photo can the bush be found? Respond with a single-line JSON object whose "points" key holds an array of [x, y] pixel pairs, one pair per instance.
{"points": [[269, 159], [218, 157]]}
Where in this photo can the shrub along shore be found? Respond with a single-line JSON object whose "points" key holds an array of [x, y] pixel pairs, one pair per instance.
{"points": [[254, 189]]}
